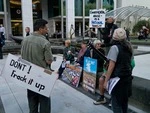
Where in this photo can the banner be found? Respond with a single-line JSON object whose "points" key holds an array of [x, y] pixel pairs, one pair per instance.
{"points": [[89, 74], [72, 74], [29, 75], [97, 18]]}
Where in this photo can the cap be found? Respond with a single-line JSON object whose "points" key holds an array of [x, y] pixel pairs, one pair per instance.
{"points": [[119, 34]]}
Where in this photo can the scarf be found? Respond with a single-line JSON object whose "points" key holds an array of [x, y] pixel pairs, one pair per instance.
{"points": [[81, 53]]}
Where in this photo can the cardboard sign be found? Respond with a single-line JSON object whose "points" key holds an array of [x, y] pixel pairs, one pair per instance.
{"points": [[72, 74], [97, 18], [89, 74], [29, 75]]}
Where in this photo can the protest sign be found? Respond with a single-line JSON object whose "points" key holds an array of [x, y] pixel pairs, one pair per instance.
{"points": [[97, 18], [29, 75], [89, 74], [72, 74]]}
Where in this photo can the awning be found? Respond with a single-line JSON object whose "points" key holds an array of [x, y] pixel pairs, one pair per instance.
{"points": [[124, 12]]}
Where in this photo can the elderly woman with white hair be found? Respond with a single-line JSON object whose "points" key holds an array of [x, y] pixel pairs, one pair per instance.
{"points": [[100, 60]]}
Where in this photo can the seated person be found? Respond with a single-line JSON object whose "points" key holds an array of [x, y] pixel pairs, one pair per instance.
{"points": [[118, 40], [100, 60], [84, 52], [68, 56]]}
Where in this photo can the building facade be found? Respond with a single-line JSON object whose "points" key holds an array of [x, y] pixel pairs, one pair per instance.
{"points": [[18, 14]]}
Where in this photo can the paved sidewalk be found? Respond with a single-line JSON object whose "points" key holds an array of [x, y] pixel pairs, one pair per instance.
{"points": [[65, 99], [142, 64]]}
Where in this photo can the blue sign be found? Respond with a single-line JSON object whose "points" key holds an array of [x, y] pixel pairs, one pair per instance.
{"points": [[90, 65]]}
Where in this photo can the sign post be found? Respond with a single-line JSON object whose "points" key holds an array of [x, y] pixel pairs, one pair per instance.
{"points": [[29, 75]]}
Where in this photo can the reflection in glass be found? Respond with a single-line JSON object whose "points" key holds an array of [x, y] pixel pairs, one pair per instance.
{"points": [[1, 5], [89, 5]]}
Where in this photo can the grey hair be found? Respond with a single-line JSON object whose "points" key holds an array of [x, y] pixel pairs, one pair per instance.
{"points": [[96, 42]]}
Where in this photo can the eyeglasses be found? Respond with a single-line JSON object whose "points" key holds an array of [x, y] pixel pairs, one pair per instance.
{"points": [[98, 44]]}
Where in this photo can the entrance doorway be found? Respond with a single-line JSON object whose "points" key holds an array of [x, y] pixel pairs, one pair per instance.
{"points": [[1, 21]]}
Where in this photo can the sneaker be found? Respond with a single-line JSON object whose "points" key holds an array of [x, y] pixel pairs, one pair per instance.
{"points": [[100, 100], [109, 105]]}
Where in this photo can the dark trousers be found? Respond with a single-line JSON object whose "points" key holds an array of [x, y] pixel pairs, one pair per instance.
{"points": [[1, 53], [36, 100], [119, 97], [60, 71]]}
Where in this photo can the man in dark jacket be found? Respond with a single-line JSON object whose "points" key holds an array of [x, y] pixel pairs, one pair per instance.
{"points": [[108, 31]]}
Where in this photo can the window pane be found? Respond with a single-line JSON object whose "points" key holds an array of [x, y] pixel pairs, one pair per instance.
{"points": [[1, 5]]}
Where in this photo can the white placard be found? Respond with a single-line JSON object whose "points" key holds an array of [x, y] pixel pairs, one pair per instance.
{"points": [[97, 18], [111, 84], [29, 75]]}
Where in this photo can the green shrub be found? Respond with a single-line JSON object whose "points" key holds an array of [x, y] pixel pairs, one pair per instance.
{"points": [[139, 24]]}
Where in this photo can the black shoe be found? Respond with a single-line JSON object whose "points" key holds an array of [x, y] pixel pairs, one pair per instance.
{"points": [[100, 100]]}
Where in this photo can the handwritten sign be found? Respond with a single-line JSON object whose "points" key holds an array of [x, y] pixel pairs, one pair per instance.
{"points": [[29, 75], [97, 18]]}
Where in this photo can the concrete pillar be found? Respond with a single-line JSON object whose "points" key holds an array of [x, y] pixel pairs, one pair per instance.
{"points": [[115, 4], [99, 4], [51, 25], [9, 18], [70, 17], [6, 19], [44, 9], [83, 18], [27, 15]]}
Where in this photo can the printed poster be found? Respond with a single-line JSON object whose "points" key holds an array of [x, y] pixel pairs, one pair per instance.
{"points": [[72, 74], [89, 74]]}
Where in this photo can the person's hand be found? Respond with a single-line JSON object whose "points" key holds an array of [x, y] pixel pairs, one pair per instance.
{"points": [[69, 52], [77, 64]]}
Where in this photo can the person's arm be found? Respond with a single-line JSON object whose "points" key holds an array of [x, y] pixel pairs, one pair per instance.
{"points": [[73, 51], [109, 72], [112, 56], [48, 53], [102, 31]]}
